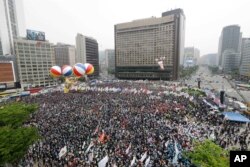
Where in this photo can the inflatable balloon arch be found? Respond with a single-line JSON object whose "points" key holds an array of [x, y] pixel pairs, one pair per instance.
{"points": [[71, 74]]}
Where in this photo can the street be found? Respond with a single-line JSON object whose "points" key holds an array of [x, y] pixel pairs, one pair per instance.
{"points": [[216, 82]]}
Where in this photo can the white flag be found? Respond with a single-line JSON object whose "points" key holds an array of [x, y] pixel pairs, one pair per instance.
{"points": [[91, 156], [147, 161], [212, 136], [161, 64], [166, 144], [62, 152], [127, 150], [103, 162], [143, 157], [175, 159], [83, 145], [90, 145], [132, 162]]}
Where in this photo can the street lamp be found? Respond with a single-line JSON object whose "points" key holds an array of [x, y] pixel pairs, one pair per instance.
{"points": [[199, 82]]}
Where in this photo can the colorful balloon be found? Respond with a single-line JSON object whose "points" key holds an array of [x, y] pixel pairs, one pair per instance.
{"points": [[89, 68], [67, 70], [55, 71], [79, 70]]}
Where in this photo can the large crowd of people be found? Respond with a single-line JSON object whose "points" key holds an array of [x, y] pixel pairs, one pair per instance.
{"points": [[125, 124]]}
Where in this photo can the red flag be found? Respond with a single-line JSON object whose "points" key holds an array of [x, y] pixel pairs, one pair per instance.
{"points": [[103, 138]]}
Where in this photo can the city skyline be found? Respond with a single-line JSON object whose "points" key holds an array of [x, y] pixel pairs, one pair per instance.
{"points": [[204, 19]]}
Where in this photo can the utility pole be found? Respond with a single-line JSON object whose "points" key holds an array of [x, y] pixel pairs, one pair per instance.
{"points": [[199, 82]]}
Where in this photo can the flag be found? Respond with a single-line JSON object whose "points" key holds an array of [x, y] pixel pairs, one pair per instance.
{"points": [[91, 156], [166, 144], [90, 145], [143, 157], [102, 137], [103, 162], [83, 145], [132, 162], [96, 130], [127, 150], [62, 152], [147, 161], [161, 64], [212, 136]]}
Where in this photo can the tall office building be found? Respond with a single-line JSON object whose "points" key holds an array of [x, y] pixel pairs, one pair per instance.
{"points": [[230, 60], [110, 59], [138, 45], [34, 60], [245, 60], [230, 39], [87, 52], [1, 49], [65, 54], [102, 62], [11, 24], [191, 56], [80, 48]]}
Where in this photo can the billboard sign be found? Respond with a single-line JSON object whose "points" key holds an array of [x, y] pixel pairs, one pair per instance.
{"points": [[35, 35], [7, 74]]}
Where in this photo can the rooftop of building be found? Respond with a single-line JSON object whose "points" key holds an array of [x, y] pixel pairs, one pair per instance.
{"points": [[79, 34], [145, 22], [166, 16], [29, 40], [232, 26], [174, 11], [60, 44]]}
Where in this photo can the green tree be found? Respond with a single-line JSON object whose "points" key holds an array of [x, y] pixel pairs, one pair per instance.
{"points": [[111, 71], [195, 92], [188, 71], [208, 154], [62, 79], [15, 142], [15, 139], [82, 79], [214, 69], [15, 114]]}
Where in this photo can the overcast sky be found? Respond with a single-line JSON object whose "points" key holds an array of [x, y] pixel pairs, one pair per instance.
{"points": [[61, 20]]}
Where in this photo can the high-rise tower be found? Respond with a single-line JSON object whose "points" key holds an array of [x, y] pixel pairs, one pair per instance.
{"points": [[12, 24]]}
